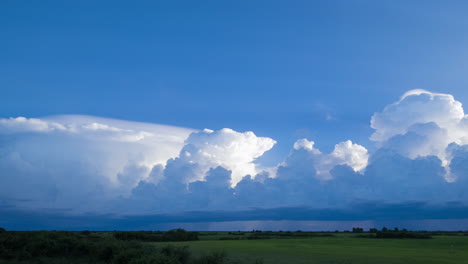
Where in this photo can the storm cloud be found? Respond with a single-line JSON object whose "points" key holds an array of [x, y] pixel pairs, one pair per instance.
{"points": [[86, 164]]}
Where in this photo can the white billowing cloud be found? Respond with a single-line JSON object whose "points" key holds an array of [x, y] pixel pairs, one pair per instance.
{"points": [[84, 162], [113, 166], [422, 124], [344, 153], [416, 107], [350, 154], [65, 161], [307, 145], [421, 140], [227, 148]]}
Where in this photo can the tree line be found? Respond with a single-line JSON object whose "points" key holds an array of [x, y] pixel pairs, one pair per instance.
{"points": [[93, 247]]}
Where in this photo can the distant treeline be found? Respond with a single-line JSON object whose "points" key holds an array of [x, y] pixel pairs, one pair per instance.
{"points": [[157, 236], [402, 235], [372, 233], [389, 233], [259, 234]]}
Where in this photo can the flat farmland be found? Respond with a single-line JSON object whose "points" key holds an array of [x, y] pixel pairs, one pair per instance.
{"points": [[338, 249]]}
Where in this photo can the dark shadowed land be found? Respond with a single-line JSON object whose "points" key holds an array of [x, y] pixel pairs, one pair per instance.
{"points": [[182, 247]]}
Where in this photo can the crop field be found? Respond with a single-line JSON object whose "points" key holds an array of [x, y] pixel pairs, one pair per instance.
{"points": [[340, 248]]}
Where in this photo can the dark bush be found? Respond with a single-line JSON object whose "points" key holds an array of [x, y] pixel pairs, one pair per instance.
{"points": [[149, 236], [255, 236], [213, 258], [181, 254], [402, 235], [86, 232], [32, 247], [229, 238], [358, 230]]}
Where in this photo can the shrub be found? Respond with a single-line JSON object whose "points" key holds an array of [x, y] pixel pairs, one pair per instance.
{"points": [[32, 247], [171, 235], [402, 235], [229, 238], [86, 232], [213, 258]]}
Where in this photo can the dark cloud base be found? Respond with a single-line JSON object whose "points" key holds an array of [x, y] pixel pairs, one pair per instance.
{"points": [[375, 212]]}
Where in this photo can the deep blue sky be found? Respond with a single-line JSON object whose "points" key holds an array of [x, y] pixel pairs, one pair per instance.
{"points": [[278, 68], [283, 69]]}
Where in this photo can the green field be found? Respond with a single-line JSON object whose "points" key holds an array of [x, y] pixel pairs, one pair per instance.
{"points": [[255, 247], [343, 248]]}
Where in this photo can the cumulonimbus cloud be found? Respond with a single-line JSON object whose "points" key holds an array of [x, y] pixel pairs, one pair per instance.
{"points": [[59, 161], [422, 124], [417, 107], [97, 164], [344, 153], [226, 148]]}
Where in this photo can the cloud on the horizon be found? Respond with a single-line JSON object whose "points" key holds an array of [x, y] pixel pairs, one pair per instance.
{"points": [[105, 165], [344, 153], [73, 161], [422, 124], [226, 148]]}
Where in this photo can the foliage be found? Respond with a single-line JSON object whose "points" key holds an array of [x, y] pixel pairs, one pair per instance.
{"points": [[28, 246], [358, 230], [157, 236], [99, 247], [213, 258], [396, 234]]}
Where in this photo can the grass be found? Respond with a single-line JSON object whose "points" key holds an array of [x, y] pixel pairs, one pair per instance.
{"points": [[230, 248], [344, 249]]}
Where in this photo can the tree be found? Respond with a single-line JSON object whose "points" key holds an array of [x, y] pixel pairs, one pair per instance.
{"points": [[384, 229], [2, 230], [358, 230]]}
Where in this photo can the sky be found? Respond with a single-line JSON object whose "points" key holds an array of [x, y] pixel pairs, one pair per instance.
{"points": [[164, 107]]}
